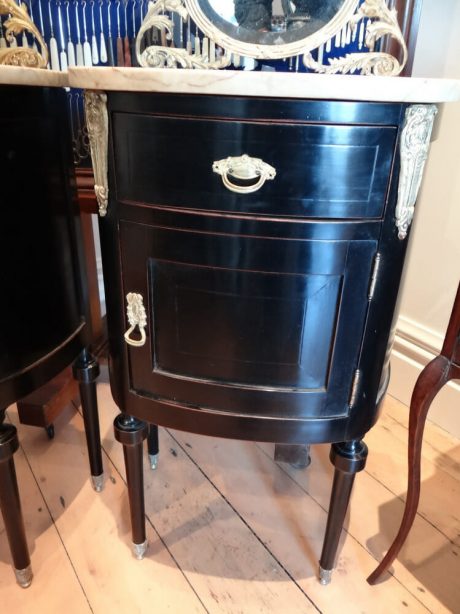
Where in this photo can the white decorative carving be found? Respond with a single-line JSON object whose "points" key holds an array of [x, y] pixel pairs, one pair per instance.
{"points": [[415, 143], [244, 168], [379, 21], [170, 57], [98, 131], [136, 317], [374, 62]]}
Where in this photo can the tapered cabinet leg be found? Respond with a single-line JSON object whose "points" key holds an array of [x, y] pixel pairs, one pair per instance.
{"points": [[153, 446], [131, 433], [86, 371], [10, 506], [348, 458]]}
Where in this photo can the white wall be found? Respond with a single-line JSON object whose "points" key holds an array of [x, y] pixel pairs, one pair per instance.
{"points": [[433, 270]]}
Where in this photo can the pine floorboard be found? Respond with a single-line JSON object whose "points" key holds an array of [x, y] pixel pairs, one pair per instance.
{"points": [[230, 530]]}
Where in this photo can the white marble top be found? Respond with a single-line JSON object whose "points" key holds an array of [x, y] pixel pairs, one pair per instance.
{"points": [[18, 75], [289, 85], [229, 82]]}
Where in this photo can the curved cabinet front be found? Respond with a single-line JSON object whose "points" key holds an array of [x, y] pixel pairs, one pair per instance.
{"points": [[42, 311], [267, 315]]}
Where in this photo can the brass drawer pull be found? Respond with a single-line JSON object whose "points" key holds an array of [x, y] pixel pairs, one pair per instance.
{"points": [[243, 168], [136, 317]]}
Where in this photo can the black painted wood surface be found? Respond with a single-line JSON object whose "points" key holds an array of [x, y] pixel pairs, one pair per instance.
{"points": [[43, 311], [168, 161], [258, 306], [276, 322]]}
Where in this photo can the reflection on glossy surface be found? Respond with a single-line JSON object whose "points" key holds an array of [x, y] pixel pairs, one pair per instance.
{"points": [[270, 22]]}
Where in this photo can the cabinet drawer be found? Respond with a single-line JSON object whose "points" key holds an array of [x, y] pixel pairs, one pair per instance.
{"points": [[322, 170]]}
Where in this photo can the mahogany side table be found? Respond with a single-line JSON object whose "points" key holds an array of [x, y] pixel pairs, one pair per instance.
{"points": [[434, 376]]}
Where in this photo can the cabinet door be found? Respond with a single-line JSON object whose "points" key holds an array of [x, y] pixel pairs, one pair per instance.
{"points": [[246, 324]]}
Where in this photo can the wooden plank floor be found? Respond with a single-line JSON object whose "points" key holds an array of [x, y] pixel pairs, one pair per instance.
{"points": [[230, 530]]}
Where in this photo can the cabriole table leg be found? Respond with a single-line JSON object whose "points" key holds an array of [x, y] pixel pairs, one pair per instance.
{"points": [[428, 384], [434, 376]]}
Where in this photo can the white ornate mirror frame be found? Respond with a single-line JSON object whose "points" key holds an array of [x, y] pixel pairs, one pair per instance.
{"points": [[379, 21], [276, 50]]}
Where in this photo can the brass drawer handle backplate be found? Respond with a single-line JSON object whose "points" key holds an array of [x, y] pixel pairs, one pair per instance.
{"points": [[136, 317], [243, 168]]}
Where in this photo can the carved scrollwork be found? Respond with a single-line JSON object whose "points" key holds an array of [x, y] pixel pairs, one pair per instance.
{"points": [[98, 131], [379, 21], [19, 21], [170, 57], [415, 143], [375, 62]]}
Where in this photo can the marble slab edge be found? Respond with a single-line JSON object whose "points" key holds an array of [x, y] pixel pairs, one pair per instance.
{"points": [[288, 85], [18, 75]]}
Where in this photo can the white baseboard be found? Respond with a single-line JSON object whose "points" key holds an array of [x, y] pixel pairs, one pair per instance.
{"points": [[419, 336], [100, 277], [410, 354], [100, 282]]}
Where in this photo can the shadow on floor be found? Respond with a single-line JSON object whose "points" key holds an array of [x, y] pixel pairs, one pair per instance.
{"points": [[428, 554]]}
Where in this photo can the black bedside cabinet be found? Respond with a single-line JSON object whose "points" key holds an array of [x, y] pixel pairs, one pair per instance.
{"points": [[253, 251]]}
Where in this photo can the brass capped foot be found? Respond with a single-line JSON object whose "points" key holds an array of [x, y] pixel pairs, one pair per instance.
{"points": [[98, 482], [153, 458], [24, 576], [325, 576], [139, 550]]}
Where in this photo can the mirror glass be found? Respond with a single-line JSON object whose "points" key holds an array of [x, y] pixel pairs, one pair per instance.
{"points": [[270, 22]]}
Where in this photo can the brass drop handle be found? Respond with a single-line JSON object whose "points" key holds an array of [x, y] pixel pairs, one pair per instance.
{"points": [[243, 168], [136, 318]]}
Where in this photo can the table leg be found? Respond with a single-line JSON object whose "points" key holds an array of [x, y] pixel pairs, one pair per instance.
{"points": [[10, 506], [348, 458], [153, 445], [131, 433], [86, 371], [429, 383]]}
